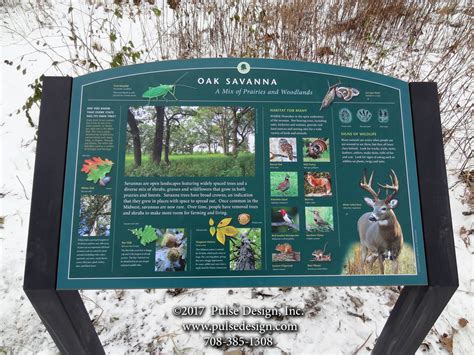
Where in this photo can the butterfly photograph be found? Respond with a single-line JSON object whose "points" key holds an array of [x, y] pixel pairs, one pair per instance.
{"points": [[336, 90]]}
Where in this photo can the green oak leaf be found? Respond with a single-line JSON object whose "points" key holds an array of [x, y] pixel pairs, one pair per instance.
{"points": [[145, 235], [99, 173]]}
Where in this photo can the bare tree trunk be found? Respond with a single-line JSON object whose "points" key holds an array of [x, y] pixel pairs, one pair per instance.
{"points": [[235, 128], [246, 259], [236, 120], [167, 142], [159, 128], [137, 145], [225, 142]]}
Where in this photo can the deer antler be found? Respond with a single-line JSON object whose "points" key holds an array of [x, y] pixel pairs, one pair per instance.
{"points": [[367, 185], [393, 186]]}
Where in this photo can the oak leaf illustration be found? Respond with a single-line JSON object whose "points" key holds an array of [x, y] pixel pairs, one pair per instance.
{"points": [[96, 168], [212, 229], [221, 236], [145, 235], [224, 222], [224, 229], [230, 231], [91, 164]]}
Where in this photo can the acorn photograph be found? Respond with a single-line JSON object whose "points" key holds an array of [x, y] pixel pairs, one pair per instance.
{"points": [[170, 251]]}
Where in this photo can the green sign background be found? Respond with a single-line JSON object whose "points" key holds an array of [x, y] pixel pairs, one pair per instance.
{"points": [[121, 88]]}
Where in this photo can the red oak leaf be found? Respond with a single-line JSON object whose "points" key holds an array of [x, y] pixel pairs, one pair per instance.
{"points": [[92, 164]]}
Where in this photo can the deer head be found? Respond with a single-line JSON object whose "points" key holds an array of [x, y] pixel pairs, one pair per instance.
{"points": [[381, 207]]}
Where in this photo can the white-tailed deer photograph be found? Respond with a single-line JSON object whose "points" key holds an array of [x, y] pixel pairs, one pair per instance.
{"points": [[380, 249]]}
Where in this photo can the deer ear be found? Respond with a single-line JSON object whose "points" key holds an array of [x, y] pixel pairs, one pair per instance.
{"points": [[393, 203], [369, 201]]}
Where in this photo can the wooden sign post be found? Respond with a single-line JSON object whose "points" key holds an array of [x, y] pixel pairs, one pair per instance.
{"points": [[258, 164]]}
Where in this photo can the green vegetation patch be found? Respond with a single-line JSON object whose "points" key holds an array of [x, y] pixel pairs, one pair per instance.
{"points": [[194, 165]]}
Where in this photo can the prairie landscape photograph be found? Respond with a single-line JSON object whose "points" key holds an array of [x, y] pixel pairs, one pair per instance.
{"points": [[190, 141]]}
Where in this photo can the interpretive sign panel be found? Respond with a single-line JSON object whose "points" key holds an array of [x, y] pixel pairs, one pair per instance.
{"points": [[240, 172]]}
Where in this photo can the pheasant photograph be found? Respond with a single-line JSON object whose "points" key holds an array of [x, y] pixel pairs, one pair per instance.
{"points": [[283, 150], [283, 184]]}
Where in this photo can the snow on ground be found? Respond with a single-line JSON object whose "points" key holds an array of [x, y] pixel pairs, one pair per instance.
{"points": [[139, 321]]}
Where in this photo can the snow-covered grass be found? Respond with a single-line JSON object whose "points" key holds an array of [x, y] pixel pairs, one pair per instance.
{"points": [[139, 321]]}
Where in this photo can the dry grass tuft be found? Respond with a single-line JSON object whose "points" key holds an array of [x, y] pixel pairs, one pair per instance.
{"points": [[354, 266]]}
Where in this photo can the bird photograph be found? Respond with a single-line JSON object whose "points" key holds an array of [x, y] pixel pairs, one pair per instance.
{"points": [[283, 150], [285, 220], [319, 219], [283, 184], [316, 150]]}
